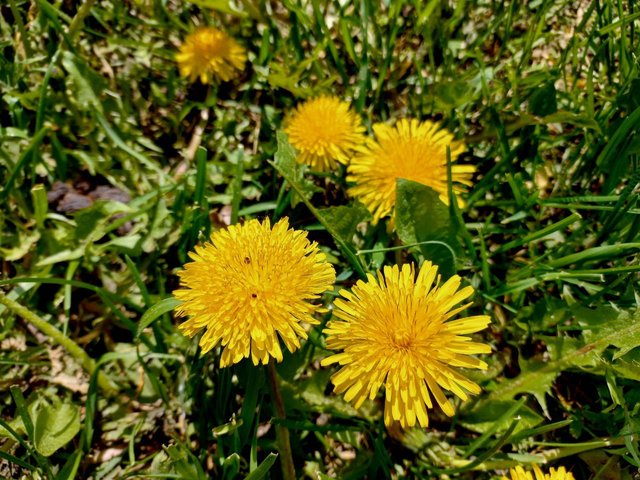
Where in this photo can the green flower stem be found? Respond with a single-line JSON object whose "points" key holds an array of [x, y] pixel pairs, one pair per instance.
{"points": [[282, 432], [61, 339]]}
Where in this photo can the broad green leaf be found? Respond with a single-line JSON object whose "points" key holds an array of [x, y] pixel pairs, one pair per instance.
{"points": [[454, 94], [484, 415], [344, 220], [543, 100], [55, 426], [285, 162], [623, 333], [159, 309], [421, 217]]}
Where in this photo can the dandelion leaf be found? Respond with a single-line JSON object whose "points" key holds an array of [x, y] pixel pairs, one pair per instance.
{"points": [[422, 218], [484, 415], [54, 426], [285, 162], [345, 220], [602, 331]]}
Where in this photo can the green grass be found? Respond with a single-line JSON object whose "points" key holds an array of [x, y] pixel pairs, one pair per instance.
{"points": [[545, 94]]}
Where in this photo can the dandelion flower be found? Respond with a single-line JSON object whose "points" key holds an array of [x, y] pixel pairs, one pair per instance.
{"points": [[519, 473], [250, 285], [411, 150], [324, 131], [396, 330], [210, 54]]}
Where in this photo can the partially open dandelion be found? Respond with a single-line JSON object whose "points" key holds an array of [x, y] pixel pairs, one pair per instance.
{"points": [[397, 330], [324, 131], [210, 54], [520, 473], [251, 285], [411, 150]]}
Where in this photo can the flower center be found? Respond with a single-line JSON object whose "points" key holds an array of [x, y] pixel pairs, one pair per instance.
{"points": [[208, 48], [402, 338]]}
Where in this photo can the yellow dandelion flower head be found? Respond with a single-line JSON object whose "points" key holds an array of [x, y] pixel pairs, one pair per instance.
{"points": [[396, 330], [209, 54], [324, 131], [250, 285], [520, 473], [411, 150]]}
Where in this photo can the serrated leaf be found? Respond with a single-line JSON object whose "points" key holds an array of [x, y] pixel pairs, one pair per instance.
{"points": [[285, 161], [628, 366], [309, 395], [537, 377], [542, 380], [421, 217], [570, 118], [623, 333], [55, 426], [285, 157]]}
